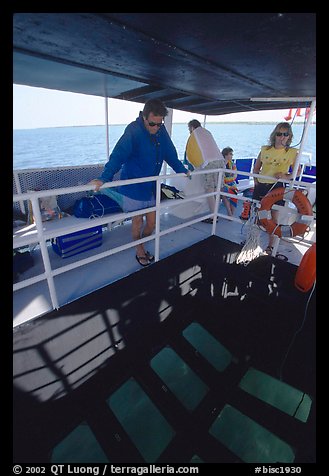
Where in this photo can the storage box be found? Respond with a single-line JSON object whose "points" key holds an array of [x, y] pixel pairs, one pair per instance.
{"points": [[78, 242]]}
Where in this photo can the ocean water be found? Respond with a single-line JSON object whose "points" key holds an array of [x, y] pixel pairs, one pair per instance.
{"points": [[68, 146]]}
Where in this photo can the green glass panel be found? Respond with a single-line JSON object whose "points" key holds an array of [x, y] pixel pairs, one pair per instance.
{"points": [[196, 459], [277, 393], [251, 442], [80, 446], [208, 346], [179, 377], [146, 426]]}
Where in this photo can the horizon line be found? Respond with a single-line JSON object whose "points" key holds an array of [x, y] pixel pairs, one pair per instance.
{"points": [[178, 122]]}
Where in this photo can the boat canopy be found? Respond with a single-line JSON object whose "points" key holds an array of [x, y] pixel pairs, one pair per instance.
{"points": [[205, 63]]}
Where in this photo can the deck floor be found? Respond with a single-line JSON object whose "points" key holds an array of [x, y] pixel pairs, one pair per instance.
{"points": [[35, 301], [150, 367]]}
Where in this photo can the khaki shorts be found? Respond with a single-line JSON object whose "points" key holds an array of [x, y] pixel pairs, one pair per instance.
{"points": [[126, 203], [211, 180]]}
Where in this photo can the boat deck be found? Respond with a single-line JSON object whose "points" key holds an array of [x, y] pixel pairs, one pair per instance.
{"points": [[84, 280], [184, 362]]}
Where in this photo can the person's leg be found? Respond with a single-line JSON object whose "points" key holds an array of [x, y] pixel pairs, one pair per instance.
{"points": [[271, 241], [210, 185], [208, 189], [150, 224], [275, 218], [211, 202], [136, 230], [227, 206], [139, 232], [148, 230]]}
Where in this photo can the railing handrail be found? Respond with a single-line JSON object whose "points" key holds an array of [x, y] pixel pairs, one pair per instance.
{"points": [[84, 188], [117, 183], [41, 236]]}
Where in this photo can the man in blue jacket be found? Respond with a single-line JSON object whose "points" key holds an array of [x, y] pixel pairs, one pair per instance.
{"points": [[140, 152]]}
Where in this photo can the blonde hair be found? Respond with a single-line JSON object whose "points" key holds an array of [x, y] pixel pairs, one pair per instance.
{"points": [[281, 125]]}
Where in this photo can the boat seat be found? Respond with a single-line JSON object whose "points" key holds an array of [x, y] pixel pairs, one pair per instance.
{"points": [[245, 184]]}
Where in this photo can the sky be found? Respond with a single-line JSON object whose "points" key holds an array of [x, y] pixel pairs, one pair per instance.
{"points": [[38, 107]]}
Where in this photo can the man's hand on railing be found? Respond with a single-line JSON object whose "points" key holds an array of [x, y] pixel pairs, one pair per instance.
{"points": [[97, 183]]}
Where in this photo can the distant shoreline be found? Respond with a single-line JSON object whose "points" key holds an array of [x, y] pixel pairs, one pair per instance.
{"points": [[244, 122], [174, 123]]}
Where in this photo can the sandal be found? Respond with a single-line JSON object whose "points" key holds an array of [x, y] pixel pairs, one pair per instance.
{"points": [[143, 260], [149, 256]]}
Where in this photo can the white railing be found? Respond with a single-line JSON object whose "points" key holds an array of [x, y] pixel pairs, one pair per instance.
{"points": [[40, 232]]}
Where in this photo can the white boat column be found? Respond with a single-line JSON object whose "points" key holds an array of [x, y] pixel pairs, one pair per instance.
{"points": [[305, 135], [168, 125], [107, 127]]}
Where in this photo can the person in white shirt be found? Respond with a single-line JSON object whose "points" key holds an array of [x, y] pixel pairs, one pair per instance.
{"points": [[203, 153]]}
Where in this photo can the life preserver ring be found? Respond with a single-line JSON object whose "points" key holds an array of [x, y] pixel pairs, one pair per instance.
{"points": [[306, 272], [303, 205]]}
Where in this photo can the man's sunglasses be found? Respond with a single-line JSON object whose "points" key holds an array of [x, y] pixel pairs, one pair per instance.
{"points": [[279, 134], [152, 124]]}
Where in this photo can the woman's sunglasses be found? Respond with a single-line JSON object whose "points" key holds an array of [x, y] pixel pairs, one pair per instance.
{"points": [[279, 134]]}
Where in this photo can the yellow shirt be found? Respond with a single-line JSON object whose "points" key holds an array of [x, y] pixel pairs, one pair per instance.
{"points": [[276, 160]]}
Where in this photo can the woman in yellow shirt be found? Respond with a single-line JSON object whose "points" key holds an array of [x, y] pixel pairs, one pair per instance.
{"points": [[275, 160]]}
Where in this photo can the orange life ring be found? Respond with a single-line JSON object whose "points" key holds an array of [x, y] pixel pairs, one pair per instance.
{"points": [[306, 272], [303, 205]]}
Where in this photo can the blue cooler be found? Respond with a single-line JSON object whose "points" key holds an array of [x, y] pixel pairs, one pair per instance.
{"points": [[78, 242]]}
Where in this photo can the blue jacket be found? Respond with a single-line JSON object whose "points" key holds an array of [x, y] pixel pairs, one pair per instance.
{"points": [[141, 154]]}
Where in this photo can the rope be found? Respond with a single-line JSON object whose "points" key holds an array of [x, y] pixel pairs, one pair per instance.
{"points": [[94, 215], [296, 332], [251, 248], [273, 232]]}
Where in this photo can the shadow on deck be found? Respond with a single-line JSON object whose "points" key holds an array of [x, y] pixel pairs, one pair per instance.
{"points": [[148, 368]]}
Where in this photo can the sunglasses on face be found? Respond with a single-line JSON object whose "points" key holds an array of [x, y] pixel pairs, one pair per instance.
{"points": [[285, 134], [153, 124]]}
